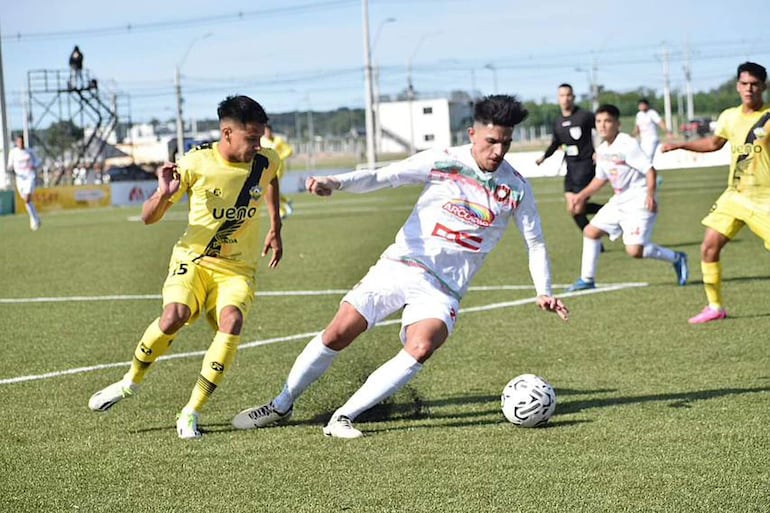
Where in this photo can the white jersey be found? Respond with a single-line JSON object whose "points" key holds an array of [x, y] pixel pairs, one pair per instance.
{"points": [[460, 216], [625, 165], [647, 122], [23, 162]]}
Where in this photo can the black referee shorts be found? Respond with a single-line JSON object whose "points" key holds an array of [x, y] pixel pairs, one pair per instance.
{"points": [[579, 174]]}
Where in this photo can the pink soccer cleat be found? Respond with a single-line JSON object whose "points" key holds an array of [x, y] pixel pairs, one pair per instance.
{"points": [[707, 315]]}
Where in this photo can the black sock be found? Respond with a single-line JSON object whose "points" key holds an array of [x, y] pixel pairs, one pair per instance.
{"points": [[592, 208], [581, 220]]}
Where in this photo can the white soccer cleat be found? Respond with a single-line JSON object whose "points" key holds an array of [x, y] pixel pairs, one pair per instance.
{"points": [[105, 398], [187, 425], [341, 427], [34, 225], [261, 416]]}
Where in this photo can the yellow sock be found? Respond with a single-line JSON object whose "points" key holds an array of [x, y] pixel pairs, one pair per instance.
{"points": [[154, 343], [712, 282], [218, 358]]}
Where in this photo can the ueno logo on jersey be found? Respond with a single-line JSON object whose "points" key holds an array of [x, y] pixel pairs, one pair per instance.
{"points": [[746, 149], [234, 213], [470, 212]]}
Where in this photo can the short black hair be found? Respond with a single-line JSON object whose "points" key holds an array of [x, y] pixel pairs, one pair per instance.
{"points": [[644, 101], [500, 110], [565, 84], [609, 109], [242, 109], [753, 69]]}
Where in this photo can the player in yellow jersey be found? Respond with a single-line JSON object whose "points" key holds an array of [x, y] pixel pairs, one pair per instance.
{"points": [[284, 151], [746, 200], [213, 265]]}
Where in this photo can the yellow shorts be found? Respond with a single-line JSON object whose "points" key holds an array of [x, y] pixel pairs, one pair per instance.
{"points": [[206, 290], [733, 211]]}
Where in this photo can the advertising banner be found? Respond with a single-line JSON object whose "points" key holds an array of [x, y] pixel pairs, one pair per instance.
{"points": [[48, 199], [134, 193]]}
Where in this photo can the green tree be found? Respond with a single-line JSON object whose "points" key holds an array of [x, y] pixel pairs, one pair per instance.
{"points": [[61, 138]]}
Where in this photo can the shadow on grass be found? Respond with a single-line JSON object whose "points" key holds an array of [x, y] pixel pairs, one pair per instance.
{"points": [[420, 409]]}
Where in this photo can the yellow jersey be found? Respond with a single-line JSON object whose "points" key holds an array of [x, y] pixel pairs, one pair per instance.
{"points": [[281, 147], [749, 138], [224, 199]]}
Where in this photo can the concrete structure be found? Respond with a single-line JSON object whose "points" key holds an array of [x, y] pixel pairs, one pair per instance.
{"points": [[421, 124]]}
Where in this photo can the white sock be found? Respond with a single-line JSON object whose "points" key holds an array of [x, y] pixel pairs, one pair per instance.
{"points": [[310, 365], [592, 248], [33, 213], [382, 383], [658, 253]]}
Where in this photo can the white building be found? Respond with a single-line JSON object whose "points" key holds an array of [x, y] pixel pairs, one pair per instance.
{"points": [[421, 124]]}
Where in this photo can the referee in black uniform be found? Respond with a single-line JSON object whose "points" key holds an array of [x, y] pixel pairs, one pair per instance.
{"points": [[572, 131]]}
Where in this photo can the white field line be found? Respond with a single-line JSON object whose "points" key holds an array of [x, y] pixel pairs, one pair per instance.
{"points": [[266, 293], [331, 208], [288, 338]]}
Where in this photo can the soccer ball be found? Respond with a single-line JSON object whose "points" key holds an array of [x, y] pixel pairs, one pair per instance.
{"points": [[528, 401]]}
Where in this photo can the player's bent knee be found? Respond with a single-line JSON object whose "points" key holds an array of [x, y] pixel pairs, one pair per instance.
{"points": [[231, 320], [635, 251], [174, 316]]}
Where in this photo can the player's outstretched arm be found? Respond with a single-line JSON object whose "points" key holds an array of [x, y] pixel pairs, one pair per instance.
{"points": [[553, 304], [704, 145], [321, 185]]}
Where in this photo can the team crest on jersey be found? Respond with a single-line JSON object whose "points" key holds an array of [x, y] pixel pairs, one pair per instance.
{"points": [[255, 192], [575, 132], [502, 193], [214, 193], [469, 212]]}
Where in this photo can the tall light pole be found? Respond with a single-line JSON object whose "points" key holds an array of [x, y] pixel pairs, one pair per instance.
{"points": [[376, 87], [493, 69], [179, 100], [369, 114]]}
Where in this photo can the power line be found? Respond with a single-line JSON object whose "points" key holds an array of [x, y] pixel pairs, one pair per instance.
{"points": [[177, 24]]}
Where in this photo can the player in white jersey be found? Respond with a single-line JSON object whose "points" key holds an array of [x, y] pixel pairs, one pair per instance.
{"points": [[632, 210], [646, 127], [24, 163], [470, 196]]}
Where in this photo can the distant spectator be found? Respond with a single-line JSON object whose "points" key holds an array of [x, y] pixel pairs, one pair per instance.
{"points": [[76, 68]]}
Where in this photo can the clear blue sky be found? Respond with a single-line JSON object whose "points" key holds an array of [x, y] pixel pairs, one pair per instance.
{"points": [[298, 53]]}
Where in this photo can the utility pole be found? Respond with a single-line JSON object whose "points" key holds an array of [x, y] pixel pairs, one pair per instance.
{"points": [[179, 118], [6, 137], [310, 136], [666, 89], [369, 114], [594, 87], [179, 100], [688, 84]]}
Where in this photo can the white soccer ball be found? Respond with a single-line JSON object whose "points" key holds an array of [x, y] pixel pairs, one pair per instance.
{"points": [[528, 401]]}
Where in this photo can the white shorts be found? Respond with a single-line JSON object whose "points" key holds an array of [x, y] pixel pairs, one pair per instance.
{"points": [[25, 184], [389, 286], [649, 146], [630, 219]]}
